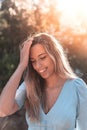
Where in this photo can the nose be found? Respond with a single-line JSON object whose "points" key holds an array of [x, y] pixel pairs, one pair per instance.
{"points": [[38, 65]]}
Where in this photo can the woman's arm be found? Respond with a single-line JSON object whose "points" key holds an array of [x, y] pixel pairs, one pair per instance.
{"points": [[8, 104]]}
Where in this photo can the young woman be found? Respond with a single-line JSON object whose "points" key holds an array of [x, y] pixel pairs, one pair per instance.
{"points": [[54, 97]]}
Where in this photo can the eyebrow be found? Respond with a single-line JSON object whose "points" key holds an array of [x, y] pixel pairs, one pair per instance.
{"points": [[38, 55]]}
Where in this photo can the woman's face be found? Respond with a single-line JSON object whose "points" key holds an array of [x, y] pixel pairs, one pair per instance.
{"points": [[41, 61]]}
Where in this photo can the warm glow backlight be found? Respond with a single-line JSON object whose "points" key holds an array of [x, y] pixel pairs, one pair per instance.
{"points": [[74, 14]]}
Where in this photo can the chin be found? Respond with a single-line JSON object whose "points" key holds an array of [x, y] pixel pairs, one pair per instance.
{"points": [[44, 76]]}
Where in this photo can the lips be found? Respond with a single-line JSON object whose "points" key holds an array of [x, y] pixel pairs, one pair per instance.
{"points": [[42, 70]]}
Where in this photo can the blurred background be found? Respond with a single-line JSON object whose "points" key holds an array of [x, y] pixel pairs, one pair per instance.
{"points": [[65, 19]]}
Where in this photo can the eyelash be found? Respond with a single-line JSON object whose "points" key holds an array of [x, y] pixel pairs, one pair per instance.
{"points": [[43, 57]]}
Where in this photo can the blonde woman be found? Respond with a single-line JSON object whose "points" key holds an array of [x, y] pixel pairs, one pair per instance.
{"points": [[54, 97]]}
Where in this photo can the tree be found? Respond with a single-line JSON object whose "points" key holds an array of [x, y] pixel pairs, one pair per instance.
{"points": [[14, 29]]}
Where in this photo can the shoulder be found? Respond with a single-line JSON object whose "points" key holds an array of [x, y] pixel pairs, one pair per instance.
{"points": [[22, 86], [21, 89], [80, 88], [78, 83]]}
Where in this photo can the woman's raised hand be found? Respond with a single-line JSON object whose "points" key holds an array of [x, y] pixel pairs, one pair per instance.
{"points": [[24, 52]]}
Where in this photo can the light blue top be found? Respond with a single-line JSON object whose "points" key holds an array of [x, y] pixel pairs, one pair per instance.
{"points": [[68, 112]]}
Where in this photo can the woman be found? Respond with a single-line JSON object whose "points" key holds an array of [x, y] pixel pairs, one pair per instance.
{"points": [[54, 97]]}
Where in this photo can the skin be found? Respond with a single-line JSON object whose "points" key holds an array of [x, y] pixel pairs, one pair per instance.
{"points": [[42, 62]]}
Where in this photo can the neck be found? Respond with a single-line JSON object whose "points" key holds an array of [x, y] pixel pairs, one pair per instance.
{"points": [[53, 81]]}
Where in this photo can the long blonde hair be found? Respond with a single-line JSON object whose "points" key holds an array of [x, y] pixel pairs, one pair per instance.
{"points": [[35, 84]]}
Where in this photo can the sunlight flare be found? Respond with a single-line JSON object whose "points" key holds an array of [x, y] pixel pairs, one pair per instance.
{"points": [[74, 14]]}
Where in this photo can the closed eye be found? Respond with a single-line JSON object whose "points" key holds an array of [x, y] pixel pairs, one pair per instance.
{"points": [[43, 57]]}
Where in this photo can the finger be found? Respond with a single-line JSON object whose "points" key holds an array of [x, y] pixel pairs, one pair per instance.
{"points": [[28, 41], [21, 46]]}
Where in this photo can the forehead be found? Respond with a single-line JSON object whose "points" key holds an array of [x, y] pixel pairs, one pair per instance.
{"points": [[37, 50]]}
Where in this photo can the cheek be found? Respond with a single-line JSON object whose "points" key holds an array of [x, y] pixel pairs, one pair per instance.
{"points": [[51, 61], [51, 64]]}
